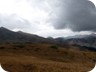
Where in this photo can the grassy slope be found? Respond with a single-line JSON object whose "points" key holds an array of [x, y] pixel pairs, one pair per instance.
{"points": [[45, 58]]}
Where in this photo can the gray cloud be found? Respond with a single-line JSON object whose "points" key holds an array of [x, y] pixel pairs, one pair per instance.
{"points": [[78, 15], [13, 21]]}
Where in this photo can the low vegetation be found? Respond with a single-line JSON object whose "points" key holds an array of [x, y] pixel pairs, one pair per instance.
{"points": [[54, 47], [45, 58]]}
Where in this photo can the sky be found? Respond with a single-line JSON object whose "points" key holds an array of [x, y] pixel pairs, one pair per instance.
{"points": [[55, 18]]}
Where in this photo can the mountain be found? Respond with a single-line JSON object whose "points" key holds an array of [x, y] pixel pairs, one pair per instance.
{"points": [[7, 35], [85, 42], [88, 40]]}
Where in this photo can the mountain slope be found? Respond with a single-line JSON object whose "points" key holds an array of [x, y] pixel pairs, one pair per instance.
{"points": [[87, 42], [83, 41], [10, 36]]}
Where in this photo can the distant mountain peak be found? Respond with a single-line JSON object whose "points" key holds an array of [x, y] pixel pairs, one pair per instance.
{"points": [[20, 31], [2, 28]]}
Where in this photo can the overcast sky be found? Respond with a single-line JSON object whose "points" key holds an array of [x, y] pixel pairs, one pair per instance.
{"points": [[54, 18]]}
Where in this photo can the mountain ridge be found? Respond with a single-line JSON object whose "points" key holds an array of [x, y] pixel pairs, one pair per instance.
{"points": [[11, 36], [87, 42]]}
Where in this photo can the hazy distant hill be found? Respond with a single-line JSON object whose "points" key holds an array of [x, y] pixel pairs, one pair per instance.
{"points": [[83, 41]]}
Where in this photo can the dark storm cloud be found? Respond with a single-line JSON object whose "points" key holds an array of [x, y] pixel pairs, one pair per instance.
{"points": [[78, 15]]}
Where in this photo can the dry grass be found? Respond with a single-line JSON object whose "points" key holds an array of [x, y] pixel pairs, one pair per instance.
{"points": [[44, 58]]}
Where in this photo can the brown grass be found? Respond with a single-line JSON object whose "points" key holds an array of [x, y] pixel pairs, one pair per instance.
{"points": [[44, 58]]}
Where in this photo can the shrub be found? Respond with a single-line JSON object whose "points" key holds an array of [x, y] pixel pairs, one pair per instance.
{"points": [[2, 47], [54, 47], [37, 49], [19, 46], [15, 48]]}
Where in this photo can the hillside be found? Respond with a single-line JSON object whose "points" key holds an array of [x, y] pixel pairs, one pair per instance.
{"points": [[24, 52], [45, 58], [7, 35], [87, 42]]}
